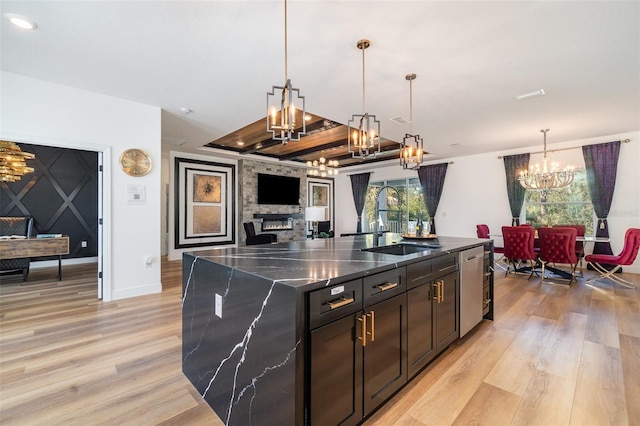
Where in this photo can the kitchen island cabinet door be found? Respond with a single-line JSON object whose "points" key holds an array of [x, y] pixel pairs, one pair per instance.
{"points": [[385, 353], [336, 373], [420, 342], [446, 307]]}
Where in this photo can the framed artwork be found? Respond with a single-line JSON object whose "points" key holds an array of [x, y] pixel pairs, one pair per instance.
{"points": [[320, 194], [205, 203]]}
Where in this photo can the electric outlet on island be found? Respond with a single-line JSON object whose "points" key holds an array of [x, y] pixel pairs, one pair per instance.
{"points": [[84, 244]]}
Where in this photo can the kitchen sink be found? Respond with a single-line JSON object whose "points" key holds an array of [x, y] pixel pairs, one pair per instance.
{"points": [[401, 249]]}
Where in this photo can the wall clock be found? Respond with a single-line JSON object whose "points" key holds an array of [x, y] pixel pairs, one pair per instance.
{"points": [[135, 162]]}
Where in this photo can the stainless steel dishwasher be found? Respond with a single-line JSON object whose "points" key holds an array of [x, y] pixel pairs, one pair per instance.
{"points": [[470, 288]]}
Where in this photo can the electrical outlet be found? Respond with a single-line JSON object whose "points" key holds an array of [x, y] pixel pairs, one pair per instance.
{"points": [[84, 244], [148, 261]]}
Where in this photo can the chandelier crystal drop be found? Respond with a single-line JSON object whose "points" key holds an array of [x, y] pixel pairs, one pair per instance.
{"points": [[363, 129], [412, 147], [323, 167], [548, 175], [12, 162], [286, 121]]}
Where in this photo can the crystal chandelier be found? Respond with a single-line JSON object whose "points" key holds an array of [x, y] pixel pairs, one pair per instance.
{"points": [[323, 167], [547, 176], [363, 129], [412, 148], [282, 115], [12, 162]]}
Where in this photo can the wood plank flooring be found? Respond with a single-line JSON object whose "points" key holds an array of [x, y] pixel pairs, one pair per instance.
{"points": [[554, 355]]}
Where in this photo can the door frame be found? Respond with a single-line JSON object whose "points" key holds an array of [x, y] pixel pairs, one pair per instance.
{"points": [[104, 290]]}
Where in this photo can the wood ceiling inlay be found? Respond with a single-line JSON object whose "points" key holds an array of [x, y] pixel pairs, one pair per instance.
{"points": [[324, 137]]}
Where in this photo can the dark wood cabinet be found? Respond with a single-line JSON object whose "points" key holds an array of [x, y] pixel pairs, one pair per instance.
{"points": [[445, 311], [385, 352], [432, 310], [336, 373], [359, 360]]}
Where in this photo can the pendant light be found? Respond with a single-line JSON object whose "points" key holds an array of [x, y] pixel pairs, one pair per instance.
{"points": [[285, 120], [546, 176], [412, 149], [364, 129]]}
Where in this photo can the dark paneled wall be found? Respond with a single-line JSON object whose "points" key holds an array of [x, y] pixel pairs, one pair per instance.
{"points": [[61, 196]]}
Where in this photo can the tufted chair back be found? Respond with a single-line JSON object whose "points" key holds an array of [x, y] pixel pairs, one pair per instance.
{"points": [[482, 230], [608, 264], [631, 246], [580, 231], [518, 242], [558, 245]]}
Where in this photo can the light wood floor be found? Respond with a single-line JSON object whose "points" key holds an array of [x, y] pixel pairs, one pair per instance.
{"points": [[553, 356]]}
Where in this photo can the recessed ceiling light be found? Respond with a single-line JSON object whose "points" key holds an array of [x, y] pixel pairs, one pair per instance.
{"points": [[21, 21], [185, 110], [538, 92]]}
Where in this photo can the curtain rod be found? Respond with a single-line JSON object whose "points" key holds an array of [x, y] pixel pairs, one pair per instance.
{"points": [[562, 149], [372, 172]]}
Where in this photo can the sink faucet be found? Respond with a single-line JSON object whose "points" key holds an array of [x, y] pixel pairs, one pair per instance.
{"points": [[377, 212]]}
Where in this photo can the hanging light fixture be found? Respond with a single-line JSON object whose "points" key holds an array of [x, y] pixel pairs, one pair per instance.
{"points": [[412, 148], [364, 129], [283, 116], [546, 176], [12, 162], [323, 167]]}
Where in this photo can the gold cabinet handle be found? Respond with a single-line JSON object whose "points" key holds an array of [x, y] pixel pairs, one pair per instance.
{"points": [[436, 291], [372, 315], [441, 291], [387, 286], [363, 329], [343, 301]]}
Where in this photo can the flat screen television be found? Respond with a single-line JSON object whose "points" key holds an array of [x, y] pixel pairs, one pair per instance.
{"points": [[275, 189]]}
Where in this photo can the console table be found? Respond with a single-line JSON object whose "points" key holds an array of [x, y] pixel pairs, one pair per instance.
{"points": [[35, 247]]}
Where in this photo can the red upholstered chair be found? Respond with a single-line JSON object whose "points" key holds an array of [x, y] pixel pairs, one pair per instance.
{"points": [[483, 232], [626, 257], [518, 247], [579, 244], [558, 245]]}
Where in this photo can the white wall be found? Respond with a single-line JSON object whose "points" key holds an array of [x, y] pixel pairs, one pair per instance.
{"points": [[475, 190], [44, 113]]}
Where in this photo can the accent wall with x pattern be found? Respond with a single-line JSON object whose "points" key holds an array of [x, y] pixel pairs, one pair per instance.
{"points": [[61, 196]]}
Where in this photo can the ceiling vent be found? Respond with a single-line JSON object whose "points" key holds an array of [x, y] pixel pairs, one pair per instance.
{"points": [[399, 120]]}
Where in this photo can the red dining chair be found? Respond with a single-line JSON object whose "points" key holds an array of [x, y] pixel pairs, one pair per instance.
{"points": [[558, 245], [579, 244], [518, 247], [483, 232], [626, 257]]}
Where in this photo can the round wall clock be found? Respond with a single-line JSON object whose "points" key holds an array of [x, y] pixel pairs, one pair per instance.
{"points": [[135, 162]]}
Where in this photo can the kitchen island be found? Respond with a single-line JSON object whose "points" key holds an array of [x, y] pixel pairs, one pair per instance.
{"points": [[317, 331]]}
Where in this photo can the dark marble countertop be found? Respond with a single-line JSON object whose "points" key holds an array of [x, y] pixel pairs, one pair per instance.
{"points": [[315, 263]]}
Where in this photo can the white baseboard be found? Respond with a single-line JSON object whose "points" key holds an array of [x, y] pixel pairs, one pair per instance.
{"points": [[136, 291]]}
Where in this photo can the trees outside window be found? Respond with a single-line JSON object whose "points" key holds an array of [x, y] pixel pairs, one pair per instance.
{"points": [[394, 215], [570, 205]]}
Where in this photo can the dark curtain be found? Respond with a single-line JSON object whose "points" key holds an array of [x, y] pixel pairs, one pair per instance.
{"points": [[359, 184], [432, 181], [601, 163], [516, 192]]}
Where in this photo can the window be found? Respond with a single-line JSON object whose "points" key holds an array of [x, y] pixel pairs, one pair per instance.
{"points": [[393, 216], [571, 205]]}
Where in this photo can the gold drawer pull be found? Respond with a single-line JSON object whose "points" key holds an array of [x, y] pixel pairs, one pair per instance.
{"points": [[343, 301], [372, 315], [363, 329], [387, 286]]}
